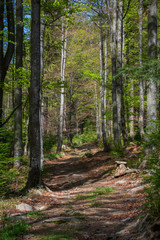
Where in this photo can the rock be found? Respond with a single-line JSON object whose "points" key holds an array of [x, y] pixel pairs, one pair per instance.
{"points": [[126, 219], [121, 162], [121, 182], [40, 207], [16, 218], [38, 192], [120, 171], [29, 236], [143, 164], [23, 207], [136, 189]]}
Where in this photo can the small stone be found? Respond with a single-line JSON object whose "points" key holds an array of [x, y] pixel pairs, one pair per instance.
{"points": [[40, 207], [23, 207], [126, 219], [136, 189], [121, 181], [121, 170], [38, 192]]}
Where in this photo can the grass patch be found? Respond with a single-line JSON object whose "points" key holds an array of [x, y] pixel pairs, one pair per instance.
{"points": [[95, 204], [51, 156], [36, 214], [56, 237], [78, 215], [14, 231], [96, 193], [85, 197]]}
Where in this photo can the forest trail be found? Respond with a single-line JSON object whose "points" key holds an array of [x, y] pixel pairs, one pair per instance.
{"points": [[84, 200]]}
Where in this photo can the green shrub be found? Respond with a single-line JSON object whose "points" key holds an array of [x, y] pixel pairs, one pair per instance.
{"points": [[13, 231], [86, 137], [49, 141], [7, 173], [152, 204]]}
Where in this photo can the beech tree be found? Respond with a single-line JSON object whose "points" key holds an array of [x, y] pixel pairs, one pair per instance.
{"points": [[18, 149], [152, 53], [141, 87], [63, 65], [5, 56], [115, 85], [34, 177]]}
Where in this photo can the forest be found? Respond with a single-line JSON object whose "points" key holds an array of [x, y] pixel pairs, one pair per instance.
{"points": [[79, 119]]}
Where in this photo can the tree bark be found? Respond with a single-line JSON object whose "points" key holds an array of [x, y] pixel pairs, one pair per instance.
{"points": [[116, 126], [42, 30], [63, 63], [18, 149], [34, 177], [5, 59], [141, 87], [152, 53], [103, 90]]}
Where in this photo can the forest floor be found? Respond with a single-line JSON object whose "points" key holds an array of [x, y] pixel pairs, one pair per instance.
{"points": [[83, 199]]}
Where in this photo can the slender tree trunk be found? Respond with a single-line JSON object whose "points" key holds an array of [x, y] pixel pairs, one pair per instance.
{"points": [[103, 104], [131, 117], [18, 149], [119, 60], [63, 63], [42, 30], [141, 87], [116, 126], [5, 59], [96, 102], [97, 113], [152, 52], [34, 177]]}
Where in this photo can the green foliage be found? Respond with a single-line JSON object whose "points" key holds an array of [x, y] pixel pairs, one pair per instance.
{"points": [[89, 135], [152, 204], [94, 194], [96, 204], [8, 175], [56, 237], [48, 142], [51, 156], [79, 216], [84, 138], [13, 231]]}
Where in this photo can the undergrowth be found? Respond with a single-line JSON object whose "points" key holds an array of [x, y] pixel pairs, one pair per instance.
{"points": [[14, 231], [94, 194], [152, 204]]}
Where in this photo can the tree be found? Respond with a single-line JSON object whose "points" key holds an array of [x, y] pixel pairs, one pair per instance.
{"points": [[5, 59], [152, 53], [18, 149], [141, 87], [115, 85], [63, 65], [34, 177]]}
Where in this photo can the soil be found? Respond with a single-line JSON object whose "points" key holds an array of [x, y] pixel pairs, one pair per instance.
{"points": [[83, 200]]}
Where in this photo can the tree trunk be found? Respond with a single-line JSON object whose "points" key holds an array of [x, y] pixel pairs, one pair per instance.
{"points": [[18, 149], [116, 126], [63, 63], [152, 53], [131, 117], [103, 104], [34, 177], [141, 87], [5, 59], [42, 30]]}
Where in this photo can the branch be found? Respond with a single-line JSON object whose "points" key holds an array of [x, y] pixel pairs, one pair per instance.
{"points": [[129, 1], [11, 34], [8, 118]]}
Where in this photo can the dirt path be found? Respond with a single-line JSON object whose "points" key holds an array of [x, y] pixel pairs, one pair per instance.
{"points": [[84, 200]]}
